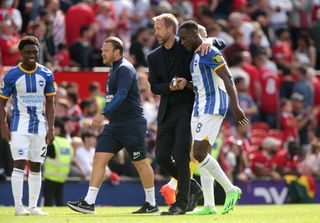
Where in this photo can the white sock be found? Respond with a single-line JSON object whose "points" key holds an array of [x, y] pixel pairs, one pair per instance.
{"points": [[213, 167], [17, 186], [92, 195], [150, 196], [34, 183], [207, 188], [172, 184]]}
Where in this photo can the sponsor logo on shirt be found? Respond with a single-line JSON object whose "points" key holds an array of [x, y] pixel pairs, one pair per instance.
{"points": [[32, 100], [217, 58], [54, 85], [109, 98]]}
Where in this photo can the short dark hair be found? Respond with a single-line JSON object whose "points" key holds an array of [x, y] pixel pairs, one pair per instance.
{"points": [[58, 123], [93, 86], [237, 80], [85, 103], [303, 70], [28, 40], [190, 25], [73, 97], [84, 29], [116, 43], [87, 134]]}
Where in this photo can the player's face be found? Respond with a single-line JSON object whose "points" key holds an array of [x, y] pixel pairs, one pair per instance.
{"points": [[30, 55], [187, 39], [161, 32], [107, 53]]}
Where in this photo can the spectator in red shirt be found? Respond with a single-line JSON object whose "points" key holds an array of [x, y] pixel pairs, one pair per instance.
{"points": [[268, 100], [247, 66], [287, 159], [9, 44], [262, 160], [62, 58], [288, 122], [281, 50], [77, 16]]}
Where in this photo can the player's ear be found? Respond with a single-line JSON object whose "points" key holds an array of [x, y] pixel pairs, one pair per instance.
{"points": [[117, 50]]}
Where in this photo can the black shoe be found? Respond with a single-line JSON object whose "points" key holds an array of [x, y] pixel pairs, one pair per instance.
{"points": [[81, 206], [194, 186], [195, 196], [174, 210], [146, 209]]}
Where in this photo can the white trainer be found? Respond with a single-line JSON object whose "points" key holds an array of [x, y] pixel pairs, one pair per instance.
{"points": [[37, 211], [20, 210]]}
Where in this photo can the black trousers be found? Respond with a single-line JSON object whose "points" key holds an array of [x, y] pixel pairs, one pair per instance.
{"points": [[53, 193], [173, 147]]}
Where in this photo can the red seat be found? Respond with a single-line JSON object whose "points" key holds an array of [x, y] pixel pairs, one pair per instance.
{"points": [[261, 133], [278, 134], [260, 125]]}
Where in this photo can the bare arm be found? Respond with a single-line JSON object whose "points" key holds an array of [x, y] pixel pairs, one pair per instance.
{"points": [[3, 123], [50, 115], [213, 6], [226, 76]]}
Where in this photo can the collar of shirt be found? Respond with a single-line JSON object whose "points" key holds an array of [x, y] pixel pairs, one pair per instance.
{"points": [[116, 63]]}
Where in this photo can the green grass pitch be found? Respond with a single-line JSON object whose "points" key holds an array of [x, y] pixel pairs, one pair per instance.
{"points": [[243, 213]]}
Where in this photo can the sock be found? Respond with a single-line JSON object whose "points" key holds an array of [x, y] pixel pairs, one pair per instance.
{"points": [[193, 166], [17, 186], [172, 184], [92, 195], [213, 167], [34, 183], [150, 196], [207, 188]]}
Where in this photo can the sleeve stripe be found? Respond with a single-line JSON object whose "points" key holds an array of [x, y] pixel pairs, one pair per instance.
{"points": [[4, 97], [221, 65], [51, 94]]}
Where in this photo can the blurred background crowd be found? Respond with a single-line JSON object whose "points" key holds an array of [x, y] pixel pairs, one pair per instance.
{"points": [[272, 49]]}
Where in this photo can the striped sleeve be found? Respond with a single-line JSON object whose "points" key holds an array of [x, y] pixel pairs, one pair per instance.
{"points": [[51, 86], [214, 59], [7, 86]]}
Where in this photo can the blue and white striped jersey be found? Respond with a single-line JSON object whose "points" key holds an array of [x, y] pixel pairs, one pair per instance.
{"points": [[28, 90], [211, 95]]}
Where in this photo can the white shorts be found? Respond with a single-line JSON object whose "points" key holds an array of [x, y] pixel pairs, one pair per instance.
{"points": [[206, 127], [28, 147]]}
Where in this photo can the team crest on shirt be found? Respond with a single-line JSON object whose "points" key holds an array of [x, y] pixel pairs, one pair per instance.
{"points": [[41, 83], [20, 152], [217, 58]]}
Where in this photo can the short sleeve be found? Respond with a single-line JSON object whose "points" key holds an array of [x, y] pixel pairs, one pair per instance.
{"points": [[7, 86], [51, 86], [214, 59]]}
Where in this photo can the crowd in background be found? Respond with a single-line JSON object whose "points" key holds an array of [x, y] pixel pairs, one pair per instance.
{"points": [[272, 49]]}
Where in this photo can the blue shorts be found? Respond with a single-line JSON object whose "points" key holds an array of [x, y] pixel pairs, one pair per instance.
{"points": [[130, 137]]}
